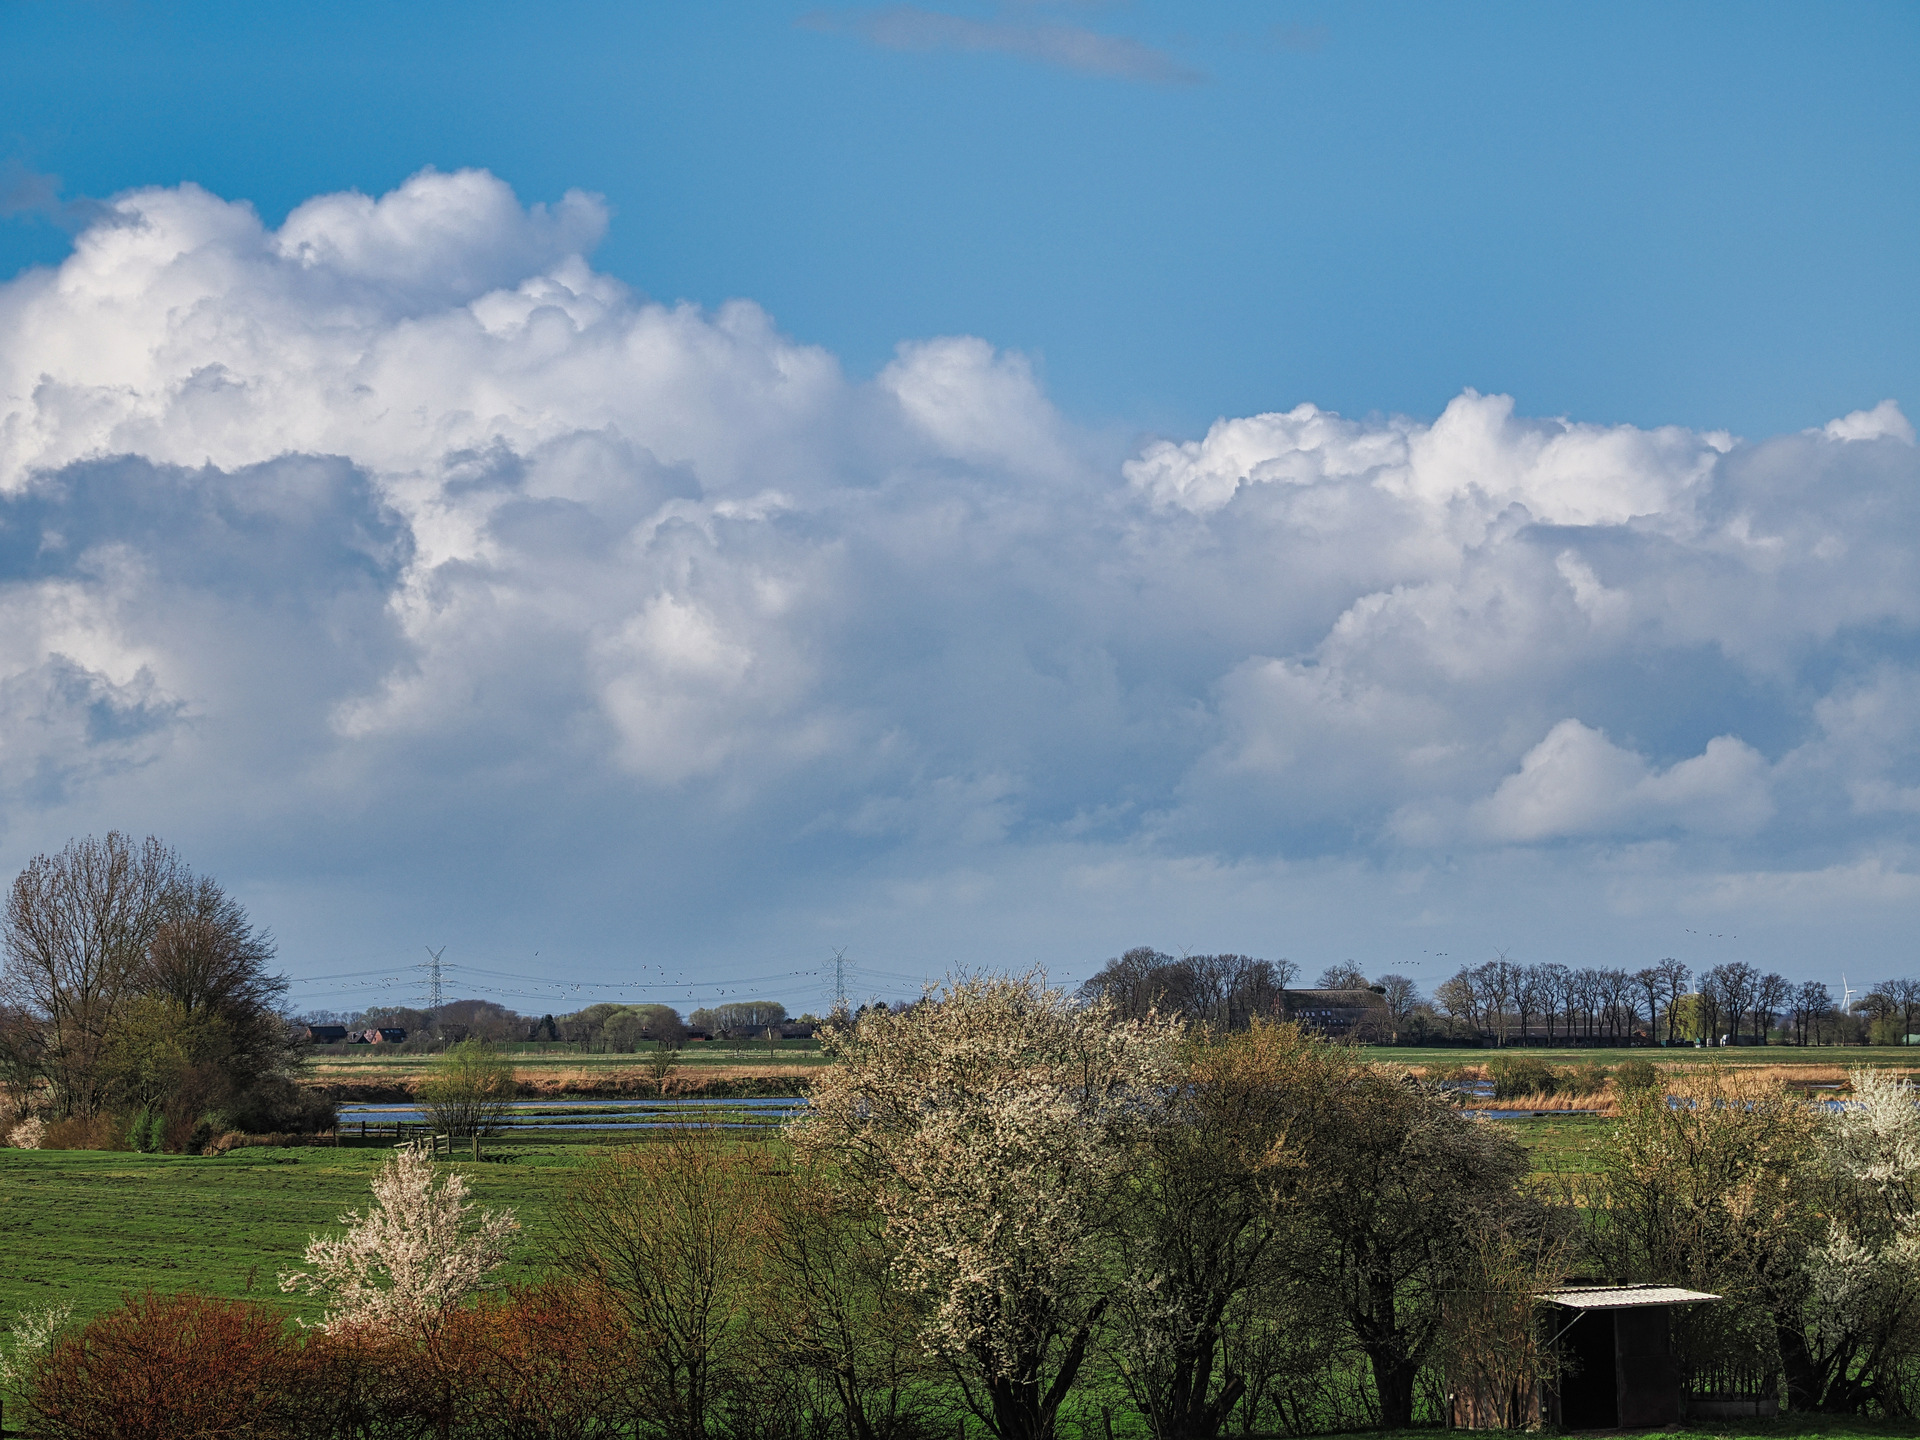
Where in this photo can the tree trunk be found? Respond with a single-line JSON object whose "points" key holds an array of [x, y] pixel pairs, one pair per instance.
{"points": [[1393, 1379]]}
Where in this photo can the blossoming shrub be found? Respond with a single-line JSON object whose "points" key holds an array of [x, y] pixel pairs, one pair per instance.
{"points": [[417, 1251]]}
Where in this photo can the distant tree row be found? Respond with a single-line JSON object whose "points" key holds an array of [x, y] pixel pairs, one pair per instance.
{"points": [[1505, 1003], [607, 1026]]}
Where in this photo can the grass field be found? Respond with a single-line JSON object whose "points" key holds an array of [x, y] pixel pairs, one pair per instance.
{"points": [[87, 1227]]}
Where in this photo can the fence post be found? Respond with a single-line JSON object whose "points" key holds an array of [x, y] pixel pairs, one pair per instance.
{"points": [[476, 1145]]}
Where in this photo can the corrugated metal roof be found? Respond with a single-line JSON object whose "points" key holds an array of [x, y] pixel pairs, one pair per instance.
{"points": [[1622, 1297]]}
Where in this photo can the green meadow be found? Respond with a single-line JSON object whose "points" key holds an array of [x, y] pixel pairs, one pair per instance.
{"points": [[86, 1227]]}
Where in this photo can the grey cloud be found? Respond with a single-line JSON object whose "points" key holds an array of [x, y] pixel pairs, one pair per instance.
{"points": [[564, 613], [25, 191], [1067, 47]]}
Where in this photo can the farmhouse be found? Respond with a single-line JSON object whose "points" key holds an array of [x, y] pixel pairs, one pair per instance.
{"points": [[325, 1034], [1337, 1013]]}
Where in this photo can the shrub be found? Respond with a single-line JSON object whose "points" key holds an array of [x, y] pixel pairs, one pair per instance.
{"points": [[469, 1089], [86, 1132], [161, 1367], [1635, 1074], [276, 1104], [1518, 1075], [1588, 1079], [414, 1255], [27, 1134]]}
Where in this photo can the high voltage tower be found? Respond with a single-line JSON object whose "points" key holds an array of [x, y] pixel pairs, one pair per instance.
{"points": [[434, 997], [840, 981]]}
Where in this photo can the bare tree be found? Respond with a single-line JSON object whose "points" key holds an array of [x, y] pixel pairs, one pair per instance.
{"points": [[1617, 995], [831, 1323], [1812, 1008], [1227, 992], [1905, 995], [1584, 993], [1494, 980], [1650, 985], [1711, 1003], [669, 1230], [1772, 995], [1344, 976], [1673, 978], [1403, 999], [1554, 983], [1527, 993], [1459, 998], [1732, 988], [77, 930]]}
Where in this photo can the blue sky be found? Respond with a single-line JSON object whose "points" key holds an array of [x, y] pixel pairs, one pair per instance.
{"points": [[1577, 631], [1658, 214]]}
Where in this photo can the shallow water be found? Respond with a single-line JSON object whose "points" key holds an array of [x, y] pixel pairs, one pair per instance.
{"points": [[669, 1113]]}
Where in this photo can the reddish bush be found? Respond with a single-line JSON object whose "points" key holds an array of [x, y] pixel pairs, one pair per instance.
{"points": [[169, 1367], [552, 1360], [86, 1132]]}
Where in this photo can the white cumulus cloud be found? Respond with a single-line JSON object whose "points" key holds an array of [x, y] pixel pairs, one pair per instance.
{"points": [[399, 543]]}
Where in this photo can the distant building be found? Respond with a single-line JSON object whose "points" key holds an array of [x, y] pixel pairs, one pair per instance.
{"points": [[383, 1035], [1338, 1013], [796, 1030], [325, 1034]]}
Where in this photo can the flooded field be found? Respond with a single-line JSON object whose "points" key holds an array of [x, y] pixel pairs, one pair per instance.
{"points": [[528, 1116]]}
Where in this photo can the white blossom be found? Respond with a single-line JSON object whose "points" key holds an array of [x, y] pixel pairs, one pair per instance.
{"points": [[1866, 1277], [32, 1337], [27, 1134], [991, 1124], [416, 1251]]}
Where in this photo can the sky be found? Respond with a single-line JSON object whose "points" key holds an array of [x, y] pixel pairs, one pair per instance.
{"points": [[647, 498]]}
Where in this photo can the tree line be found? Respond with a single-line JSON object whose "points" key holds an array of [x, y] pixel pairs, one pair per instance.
{"points": [[610, 1025], [1505, 1003], [1502, 1002]]}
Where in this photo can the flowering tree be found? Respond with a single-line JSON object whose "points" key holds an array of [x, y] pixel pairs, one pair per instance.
{"points": [[991, 1126], [1861, 1322], [417, 1251]]}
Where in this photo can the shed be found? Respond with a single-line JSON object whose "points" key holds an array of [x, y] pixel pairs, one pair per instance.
{"points": [[1616, 1346]]}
